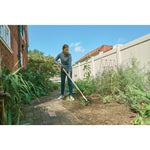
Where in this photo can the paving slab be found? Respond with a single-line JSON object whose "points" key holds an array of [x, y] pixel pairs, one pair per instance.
{"points": [[49, 111]]}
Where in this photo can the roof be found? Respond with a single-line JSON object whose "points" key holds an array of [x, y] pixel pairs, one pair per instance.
{"points": [[103, 48]]}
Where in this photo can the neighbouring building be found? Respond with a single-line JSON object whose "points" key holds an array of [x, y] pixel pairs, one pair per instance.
{"points": [[109, 57], [56, 79], [14, 46], [101, 49]]}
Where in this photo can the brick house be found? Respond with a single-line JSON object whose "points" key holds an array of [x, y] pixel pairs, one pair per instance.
{"points": [[14, 46], [101, 49]]}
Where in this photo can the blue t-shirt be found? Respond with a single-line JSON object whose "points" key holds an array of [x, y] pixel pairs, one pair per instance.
{"points": [[65, 61]]}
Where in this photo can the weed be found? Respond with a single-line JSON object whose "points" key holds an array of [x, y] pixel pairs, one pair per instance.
{"points": [[138, 120], [68, 99], [107, 99], [82, 101]]}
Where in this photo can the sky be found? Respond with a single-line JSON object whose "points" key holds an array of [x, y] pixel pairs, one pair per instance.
{"points": [[81, 38]]}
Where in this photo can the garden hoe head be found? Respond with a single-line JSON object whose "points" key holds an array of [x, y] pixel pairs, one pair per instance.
{"points": [[86, 101]]}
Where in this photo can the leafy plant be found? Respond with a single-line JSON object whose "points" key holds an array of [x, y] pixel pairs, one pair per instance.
{"points": [[144, 110], [128, 84], [41, 82], [44, 64], [87, 69], [82, 101], [148, 122], [19, 90], [138, 120], [107, 99], [23, 87], [68, 99]]}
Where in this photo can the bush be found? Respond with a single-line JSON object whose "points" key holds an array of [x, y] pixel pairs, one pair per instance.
{"points": [[87, 87], [41, 82], [23, 87], [19, 90]]}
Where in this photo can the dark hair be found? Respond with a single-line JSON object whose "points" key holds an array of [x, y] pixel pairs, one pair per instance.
{"points": [[65, 46]]}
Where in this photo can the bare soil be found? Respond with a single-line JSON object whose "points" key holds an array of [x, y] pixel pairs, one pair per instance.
{"points": [[74, 113], [98, 113]]}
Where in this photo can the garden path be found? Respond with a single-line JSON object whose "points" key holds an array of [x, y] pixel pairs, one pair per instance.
{"points": [[49, 111]]}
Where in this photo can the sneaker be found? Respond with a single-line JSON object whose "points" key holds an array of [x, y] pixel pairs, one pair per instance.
{"points": [[71, 98], [60, 97]]}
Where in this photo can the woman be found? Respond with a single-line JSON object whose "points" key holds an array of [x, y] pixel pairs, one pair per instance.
{"points": [[66, 59]]}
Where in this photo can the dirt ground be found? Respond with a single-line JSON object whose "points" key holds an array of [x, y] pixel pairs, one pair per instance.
{"points": [[53, 111], [98, 113]]}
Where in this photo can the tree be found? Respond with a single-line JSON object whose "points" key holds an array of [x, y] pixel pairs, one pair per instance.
{"points": [[35, 51], [44, 64]]}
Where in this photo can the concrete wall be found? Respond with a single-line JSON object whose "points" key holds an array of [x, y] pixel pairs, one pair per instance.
{"points": [[119, 55], [139, 48]]}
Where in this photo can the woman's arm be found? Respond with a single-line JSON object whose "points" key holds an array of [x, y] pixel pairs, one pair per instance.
{"points": [[57, 57], [55, 60]]}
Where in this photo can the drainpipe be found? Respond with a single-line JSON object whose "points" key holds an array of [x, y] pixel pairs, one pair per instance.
{"points": [[27, 56], [27, 45], [19, 63]]}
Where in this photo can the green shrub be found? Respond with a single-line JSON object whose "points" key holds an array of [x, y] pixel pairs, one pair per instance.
{"points": [[41, 82], [19, 90], [86, 86], [23, 87]]}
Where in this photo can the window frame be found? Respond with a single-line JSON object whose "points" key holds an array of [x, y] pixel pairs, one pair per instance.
{"points": [[22, 32], [5, 37], [21, 59]]}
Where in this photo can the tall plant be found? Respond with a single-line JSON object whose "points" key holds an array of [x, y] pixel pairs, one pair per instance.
{"points": [[20, 90], [87, 69]]}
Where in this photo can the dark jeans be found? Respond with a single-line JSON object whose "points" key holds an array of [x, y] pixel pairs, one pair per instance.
{"points": [[63, 77]]}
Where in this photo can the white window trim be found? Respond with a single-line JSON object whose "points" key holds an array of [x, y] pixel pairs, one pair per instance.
{"points": [[23, 36], [21, 57], [4, 42]]}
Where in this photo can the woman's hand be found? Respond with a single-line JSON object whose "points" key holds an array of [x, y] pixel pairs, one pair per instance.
{"points": [[69, 73], [59, 66]]}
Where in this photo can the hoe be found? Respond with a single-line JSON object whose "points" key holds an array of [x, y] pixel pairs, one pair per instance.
{"points": [[77, 88]]}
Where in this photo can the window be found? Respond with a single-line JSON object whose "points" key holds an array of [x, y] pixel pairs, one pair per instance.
{"points": [[23, 34], [21, 57], [22, 47], [22, 31], [5, 34], [21, 28]]}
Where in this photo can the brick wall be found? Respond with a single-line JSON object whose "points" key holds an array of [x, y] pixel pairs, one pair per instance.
{"points": [[7, 57], [14, 44], [10, 59]]}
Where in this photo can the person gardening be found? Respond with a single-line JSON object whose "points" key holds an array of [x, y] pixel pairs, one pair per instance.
{"points": [[66, 60]]}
